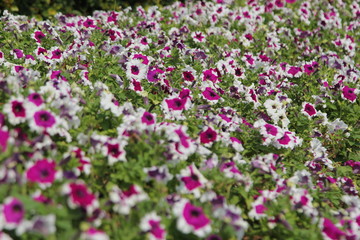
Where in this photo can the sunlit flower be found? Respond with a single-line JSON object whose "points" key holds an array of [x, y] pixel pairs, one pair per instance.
{"points": [[191, 219]]}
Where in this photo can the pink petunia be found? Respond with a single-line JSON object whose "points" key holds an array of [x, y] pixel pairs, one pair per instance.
{"points": [[208, 136], [210, 94], [349, 93], [42, 171]]}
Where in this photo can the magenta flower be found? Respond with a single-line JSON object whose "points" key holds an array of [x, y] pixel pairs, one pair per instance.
{"points": [[249, 59], [185, 93], [188, 76], [153, 74], [191, 182], [56, 54], [349, 93], [285, 139], [55, 74], [19, 53], [294, 70], [18, 68], [309, 69], [80, 195], [13, 211], [271, 129], [151, 224], [194, 216], [36, 99], [279, 3], [309, 109], [225, 118], [44, 119], [148, 118], [260, 209], [18, 109], [136, 85], [89, 23], [198, 37], [156, 230], [208, 136], [38, 35], [42, 171], [209, 75], [191, 219], [114, 150], [176, 103], [210, 94]]}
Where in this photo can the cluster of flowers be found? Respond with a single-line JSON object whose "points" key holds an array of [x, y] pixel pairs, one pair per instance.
{"points": [[209, 119]]}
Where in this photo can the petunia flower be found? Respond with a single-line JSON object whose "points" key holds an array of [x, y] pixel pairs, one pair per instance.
{"points": [[176, 103], [38, 36], [135, 69], [12, 213], [349, 93], [80, 196], [42, 172], [155, 74], [17, 53], [115, 152], [147, 118], [308, 109], [208, 136], [198, 37], [210, 94], [44, 119], [191, 219], [151, 224], [16, 111], [191, 180]]}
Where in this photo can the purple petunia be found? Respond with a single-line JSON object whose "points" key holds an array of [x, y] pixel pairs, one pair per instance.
{"points": [[44, 119]]}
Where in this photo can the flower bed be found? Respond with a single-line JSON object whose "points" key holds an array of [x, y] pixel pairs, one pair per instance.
{"points": [[199, 120]]}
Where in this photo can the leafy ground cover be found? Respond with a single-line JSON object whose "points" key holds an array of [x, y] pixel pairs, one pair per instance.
{"points": [[199, 120]]}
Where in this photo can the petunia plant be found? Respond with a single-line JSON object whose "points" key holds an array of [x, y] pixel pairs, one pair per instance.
{"points": [[221, 119]]}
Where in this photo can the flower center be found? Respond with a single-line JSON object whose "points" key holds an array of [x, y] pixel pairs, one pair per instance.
{"points": [[17, 208], [79, 193], [44, 117], [194, 177], [44, 173], [149, 117], [195, 213], [18, 108], [134, 70]]}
